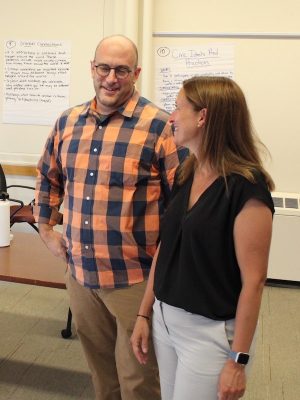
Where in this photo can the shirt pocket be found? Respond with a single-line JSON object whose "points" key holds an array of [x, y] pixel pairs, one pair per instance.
{"points": [[127, 164]]}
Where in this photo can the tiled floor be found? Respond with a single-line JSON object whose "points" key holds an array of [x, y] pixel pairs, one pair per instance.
{"points": [[37, 364], [276, 370]]}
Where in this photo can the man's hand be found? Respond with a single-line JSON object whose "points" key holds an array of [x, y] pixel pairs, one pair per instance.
{"points": [[53, 240]]}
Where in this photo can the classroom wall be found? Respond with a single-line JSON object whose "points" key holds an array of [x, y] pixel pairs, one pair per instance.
{"points": [[227, 16], [81, 23], [266, 68]]}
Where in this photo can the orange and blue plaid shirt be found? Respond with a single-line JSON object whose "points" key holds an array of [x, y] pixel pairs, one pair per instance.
{"points": [[113, 175]]}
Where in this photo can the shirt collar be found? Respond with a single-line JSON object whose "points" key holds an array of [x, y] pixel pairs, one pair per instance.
{"points": [[126, 109]]}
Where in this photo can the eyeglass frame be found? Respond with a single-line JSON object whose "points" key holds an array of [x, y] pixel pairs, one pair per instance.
{"points": [[109, 68]]}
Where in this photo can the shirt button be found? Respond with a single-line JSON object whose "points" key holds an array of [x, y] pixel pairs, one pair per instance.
{"points": [[91, 173], [86, 247]]}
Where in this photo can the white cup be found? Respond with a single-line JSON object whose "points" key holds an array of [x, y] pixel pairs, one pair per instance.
{"points": [[4, 223]]}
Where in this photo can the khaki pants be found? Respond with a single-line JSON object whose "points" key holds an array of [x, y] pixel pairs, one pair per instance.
{"points": [[104, 320]]}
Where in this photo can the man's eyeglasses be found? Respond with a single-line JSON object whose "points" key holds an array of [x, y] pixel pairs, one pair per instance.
{"points": [[121, 71]]}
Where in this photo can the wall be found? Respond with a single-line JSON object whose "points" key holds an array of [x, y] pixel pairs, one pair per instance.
{"points": [[265, 67], [82, 25]]}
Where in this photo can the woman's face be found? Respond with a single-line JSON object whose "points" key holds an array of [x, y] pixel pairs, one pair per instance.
{"points": [[187, 123]]}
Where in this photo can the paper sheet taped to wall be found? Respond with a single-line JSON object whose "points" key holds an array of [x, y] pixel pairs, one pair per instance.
{"points": [[36, 81], [175, 64]]}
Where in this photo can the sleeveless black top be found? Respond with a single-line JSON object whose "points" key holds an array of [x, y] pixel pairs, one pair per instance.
{"points": [[197, 269]]}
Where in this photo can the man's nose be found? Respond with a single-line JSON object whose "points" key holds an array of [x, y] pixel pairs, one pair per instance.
{"points": [[111, 77]]}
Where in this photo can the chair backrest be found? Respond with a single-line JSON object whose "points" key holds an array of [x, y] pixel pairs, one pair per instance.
{"points": [[3, 185]]}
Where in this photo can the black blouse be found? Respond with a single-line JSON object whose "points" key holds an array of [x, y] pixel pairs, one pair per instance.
{"points": [[197, 269]]}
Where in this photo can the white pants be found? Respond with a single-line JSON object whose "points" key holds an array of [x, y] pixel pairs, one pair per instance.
{"points": [[191, 351]]}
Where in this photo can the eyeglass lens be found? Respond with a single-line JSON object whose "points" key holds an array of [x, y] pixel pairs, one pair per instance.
{"points": [[120, 71]]}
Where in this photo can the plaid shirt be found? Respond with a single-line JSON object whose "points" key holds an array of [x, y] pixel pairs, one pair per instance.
{"points": [[113, 175]]}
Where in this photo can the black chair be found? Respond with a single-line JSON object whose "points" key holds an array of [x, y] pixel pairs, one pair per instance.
{"points": [[23, 213]]}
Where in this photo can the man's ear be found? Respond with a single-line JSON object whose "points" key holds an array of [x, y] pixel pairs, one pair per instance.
{"points": [[92, 67], [136, 73]]}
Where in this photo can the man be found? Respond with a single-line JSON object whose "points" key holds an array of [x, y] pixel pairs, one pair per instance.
{"points": [[112, 162]]}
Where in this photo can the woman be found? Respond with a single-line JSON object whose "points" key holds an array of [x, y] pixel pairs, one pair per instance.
{"points": [[208, 274]]}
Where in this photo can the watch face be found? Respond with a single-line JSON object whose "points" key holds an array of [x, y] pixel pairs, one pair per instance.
{"points": [[243, 358]]}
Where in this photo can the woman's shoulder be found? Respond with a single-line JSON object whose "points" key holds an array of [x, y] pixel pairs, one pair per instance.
{"points": [[242, 188], [257, 180]]}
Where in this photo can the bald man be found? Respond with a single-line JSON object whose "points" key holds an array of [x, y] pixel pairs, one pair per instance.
{"points": [[111, 162]]}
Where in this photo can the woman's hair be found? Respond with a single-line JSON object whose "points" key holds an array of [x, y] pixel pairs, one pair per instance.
{"points": [[228, 143]]}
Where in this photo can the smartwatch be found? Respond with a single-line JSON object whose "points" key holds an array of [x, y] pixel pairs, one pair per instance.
{"points": [[238, 357]]}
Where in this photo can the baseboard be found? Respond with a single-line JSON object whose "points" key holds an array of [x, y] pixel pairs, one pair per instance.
{"points": [[283, 283]]}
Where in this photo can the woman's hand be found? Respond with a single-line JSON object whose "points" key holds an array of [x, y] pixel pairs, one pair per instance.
{"points": [[232, 382], [140, 335], [139, 339]]}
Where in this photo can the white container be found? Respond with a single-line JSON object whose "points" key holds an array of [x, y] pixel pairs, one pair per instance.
{"points": [[4, 223]]}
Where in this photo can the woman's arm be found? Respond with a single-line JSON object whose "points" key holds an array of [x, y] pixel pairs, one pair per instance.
{"points": [[252, 238], [140, 335]]}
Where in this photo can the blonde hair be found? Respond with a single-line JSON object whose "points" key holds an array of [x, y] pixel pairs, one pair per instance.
{"points": [[229, 143]]}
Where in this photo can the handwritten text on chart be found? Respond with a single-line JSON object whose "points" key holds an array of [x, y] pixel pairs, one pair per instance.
{"points": [[36, 80], [175, 64]]}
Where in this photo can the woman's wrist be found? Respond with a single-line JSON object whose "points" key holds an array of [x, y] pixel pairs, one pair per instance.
{"points": [[143, 316]]}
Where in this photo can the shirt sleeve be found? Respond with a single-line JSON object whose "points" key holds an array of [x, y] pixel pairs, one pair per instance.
{"points": [[246, 190], [49, 185]]}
